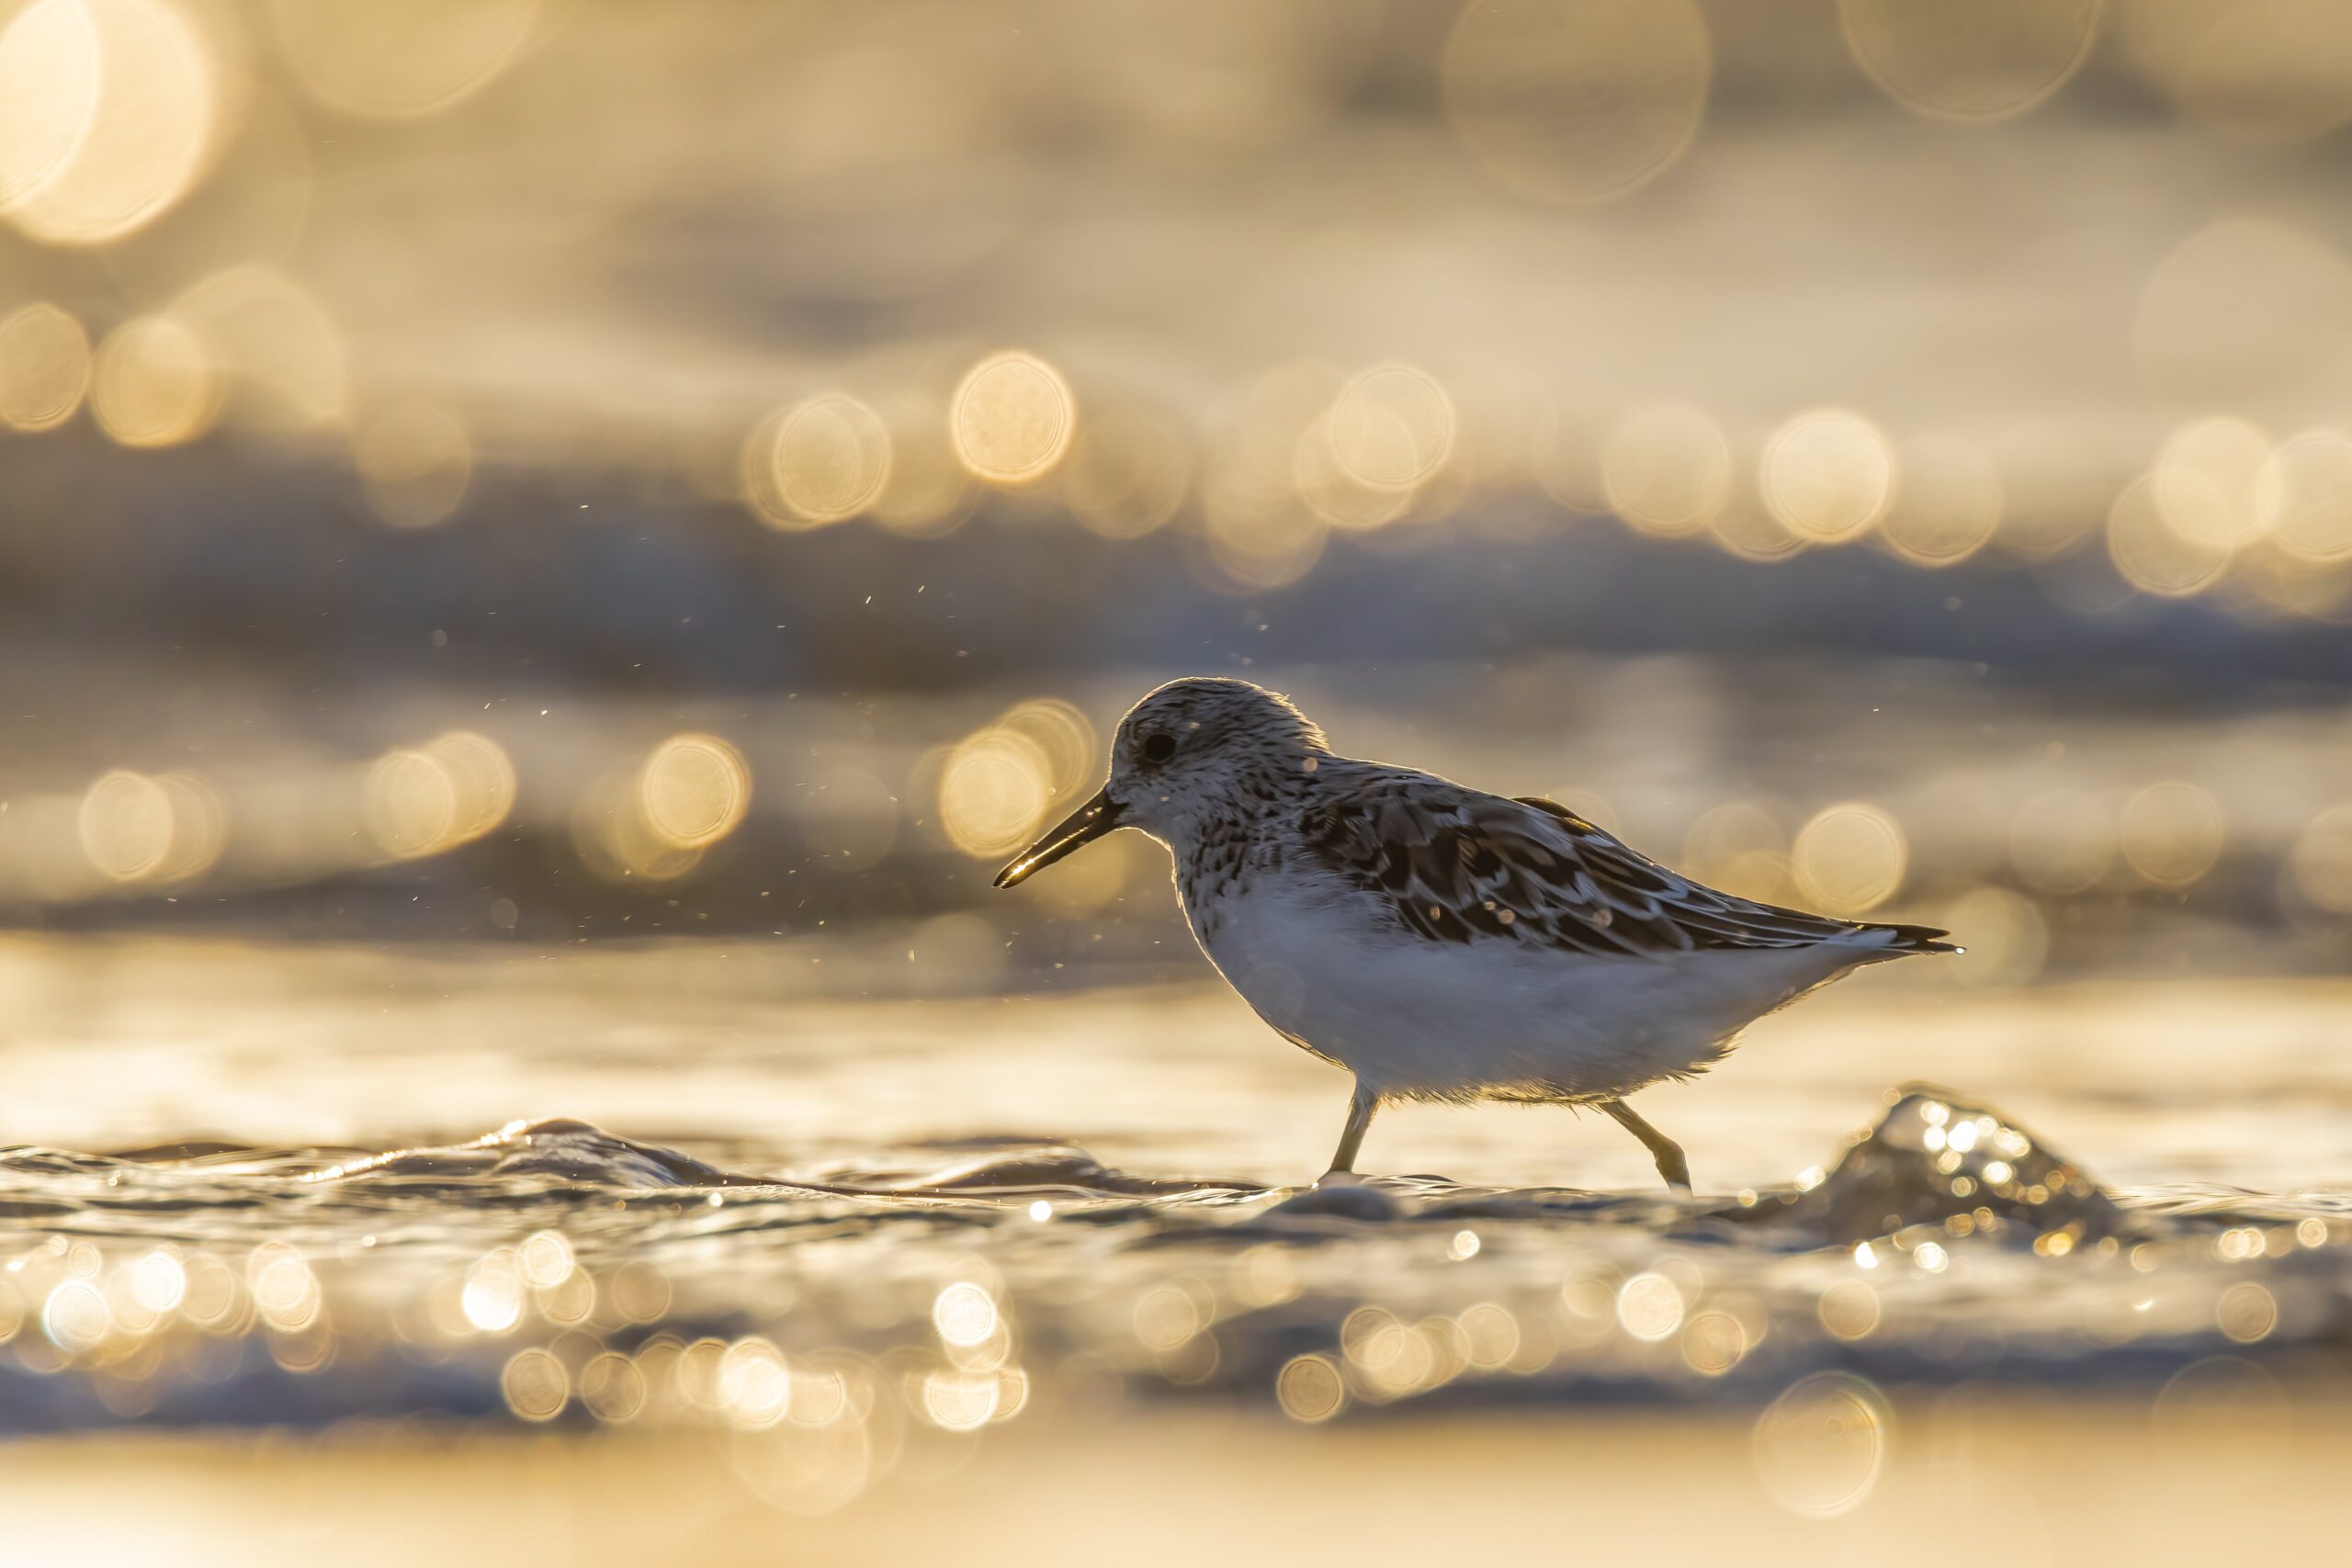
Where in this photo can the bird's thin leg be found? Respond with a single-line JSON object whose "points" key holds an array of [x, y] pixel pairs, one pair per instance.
{"points": [[1359, 1109], [1670, 1163]]}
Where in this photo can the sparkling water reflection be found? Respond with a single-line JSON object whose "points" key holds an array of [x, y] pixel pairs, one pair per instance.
{"points": [[554, 1272]]}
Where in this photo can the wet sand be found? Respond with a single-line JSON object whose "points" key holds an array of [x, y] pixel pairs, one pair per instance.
{"points": [[2020, 1484]]}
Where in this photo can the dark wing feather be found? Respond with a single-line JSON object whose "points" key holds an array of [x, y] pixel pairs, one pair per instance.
{"points": [[1459, 867]]}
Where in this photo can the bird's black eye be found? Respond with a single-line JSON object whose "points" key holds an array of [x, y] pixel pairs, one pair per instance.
{"points": [[1159, 748]]}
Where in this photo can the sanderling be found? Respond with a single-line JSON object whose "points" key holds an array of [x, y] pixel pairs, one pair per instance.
{"points": [[1438, 942]]}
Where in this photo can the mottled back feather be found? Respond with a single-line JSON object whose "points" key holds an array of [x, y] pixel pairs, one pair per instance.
{"points": [[1457, 865]]}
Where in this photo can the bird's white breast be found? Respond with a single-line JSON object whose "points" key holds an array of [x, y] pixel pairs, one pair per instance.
{"points": [[1415, 1017]]}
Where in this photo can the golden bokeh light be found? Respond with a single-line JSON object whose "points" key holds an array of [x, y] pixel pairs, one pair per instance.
{"points": [[2257, 71], [127, 823], [1391, 427], [276, 341], [547, 1260], [1820, 1447], [424, 55], [430, 799], [1127, 474], [2303, 496], [199, 828], [483, 776], [134, 828], [1949, 506], [415, 462], [2247, 1312], [2152, 556], [153, 384], [410, 802], [108, 116], [1576, 101], [2172, 832], [1714, 1343], [2320, 865], [1985, 59], [994, 791], [960, 1402], [694, 790], [76, 1316], [1650, 1307], [48, 94], [965, 1314], [493, 1296], [1011, 419], [1310, 1389], [158, 1280], [2206, 483], [1061, 735], [44, 367], [754, 1383], [1828, 475], [612, 1387], [1850, 858], [819, 461], [1665, 469], [283, 1286], [1848, 1310], [536, 1385]]}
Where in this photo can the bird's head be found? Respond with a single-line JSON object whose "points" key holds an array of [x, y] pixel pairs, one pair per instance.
{"points": [[1193, 749]]}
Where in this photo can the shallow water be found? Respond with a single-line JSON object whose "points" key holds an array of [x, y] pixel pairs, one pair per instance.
{"points": [[836, 1221]]}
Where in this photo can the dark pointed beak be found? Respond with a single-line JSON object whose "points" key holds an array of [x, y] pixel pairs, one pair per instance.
{"points": [[1073, 833]]}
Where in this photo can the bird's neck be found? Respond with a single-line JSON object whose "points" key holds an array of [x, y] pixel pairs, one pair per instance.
{"points": [[1238, 832]]}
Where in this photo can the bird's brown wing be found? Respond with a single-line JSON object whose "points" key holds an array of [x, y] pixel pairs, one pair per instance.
{"points": [[1457, 865]]}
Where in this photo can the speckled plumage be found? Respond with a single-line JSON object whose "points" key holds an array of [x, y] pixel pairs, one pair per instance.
{"points": [[1438, 941]]}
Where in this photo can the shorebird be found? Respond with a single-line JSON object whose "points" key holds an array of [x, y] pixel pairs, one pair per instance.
{"points": [[1438, 942]]}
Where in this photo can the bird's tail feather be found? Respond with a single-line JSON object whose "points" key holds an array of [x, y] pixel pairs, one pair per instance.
{"points": [[1914, 938]]}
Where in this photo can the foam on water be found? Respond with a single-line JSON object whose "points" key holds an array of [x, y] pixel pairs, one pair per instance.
{"points": [[552, 1270]]}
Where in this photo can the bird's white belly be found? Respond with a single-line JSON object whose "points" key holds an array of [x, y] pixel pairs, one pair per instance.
{"points": [[1490, 1018]]}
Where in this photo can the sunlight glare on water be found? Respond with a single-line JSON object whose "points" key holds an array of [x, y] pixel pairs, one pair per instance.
{"points": [[819, 461], [111, 115], [44, 367], [1012, 418], [1995, 59], [356, 59], [1579, 102], [154, 383]]}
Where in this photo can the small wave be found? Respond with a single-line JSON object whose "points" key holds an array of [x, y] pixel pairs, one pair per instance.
{"points": [[552, 1267], [557, 1149]]}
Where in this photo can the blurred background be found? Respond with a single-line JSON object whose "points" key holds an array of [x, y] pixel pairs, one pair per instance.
{"points": [[549, 547], [513, 471]]}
